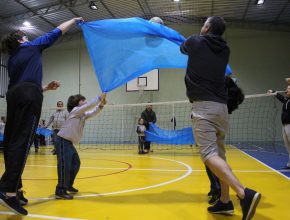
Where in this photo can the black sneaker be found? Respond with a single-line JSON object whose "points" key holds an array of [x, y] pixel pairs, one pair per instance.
{"points": [[22, 200], [222, 208], [63, 195], [72, 190], [12, 203], [249, 203], [213, 200]]}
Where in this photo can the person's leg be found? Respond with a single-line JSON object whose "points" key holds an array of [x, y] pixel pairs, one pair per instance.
{"points": [[286, 137], [36, 142], [23, 108], [215, 188], [139, 144], [75, 167], [63, 168]]}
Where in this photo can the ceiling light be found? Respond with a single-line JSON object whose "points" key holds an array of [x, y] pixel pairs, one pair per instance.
{"points": [[93, 6], [175, 0], [260, 2], [26, 24]]}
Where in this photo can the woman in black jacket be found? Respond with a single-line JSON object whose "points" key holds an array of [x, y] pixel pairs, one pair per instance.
{"points": [[285, 118]]}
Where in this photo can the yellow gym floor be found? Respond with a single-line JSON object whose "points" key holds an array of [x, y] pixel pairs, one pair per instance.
{"points": [[166, 184]]}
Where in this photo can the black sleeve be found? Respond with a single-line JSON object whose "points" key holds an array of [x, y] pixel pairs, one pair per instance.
{"points": [[280, 97], [185, 46], [154, 118]]}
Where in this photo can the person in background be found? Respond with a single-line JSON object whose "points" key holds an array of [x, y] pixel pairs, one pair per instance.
{"points": [[149, 116], [24, 101], [57, 119], [141, 128], [285, 118], [2, 128]]}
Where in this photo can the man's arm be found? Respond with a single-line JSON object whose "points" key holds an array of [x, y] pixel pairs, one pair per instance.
{"points": [[65, 26], [280, 97], [49, 38]]}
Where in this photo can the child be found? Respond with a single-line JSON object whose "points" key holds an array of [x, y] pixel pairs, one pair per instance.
{"points": [[141, 135], [71, 132]]}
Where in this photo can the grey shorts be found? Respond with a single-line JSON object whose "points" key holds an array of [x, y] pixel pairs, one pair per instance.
{"points": [[210, 125]]}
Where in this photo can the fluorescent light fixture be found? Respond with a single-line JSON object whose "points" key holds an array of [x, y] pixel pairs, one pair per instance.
{"points": [[175, 0], [26, 24], [93, 5], [260, 2]]}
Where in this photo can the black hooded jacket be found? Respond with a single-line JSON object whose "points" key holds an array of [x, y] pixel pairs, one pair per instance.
{"points": [[208, 56]]}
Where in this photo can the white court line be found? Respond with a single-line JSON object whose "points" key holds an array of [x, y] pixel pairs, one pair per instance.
{"points": [[262, 163], [188, 172], [42, 216], [156, 169]]}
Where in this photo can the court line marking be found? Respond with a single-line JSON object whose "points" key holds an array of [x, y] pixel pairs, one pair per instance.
{"points": [[41, 216], [189, 171], [274, 170], [156, 169]]}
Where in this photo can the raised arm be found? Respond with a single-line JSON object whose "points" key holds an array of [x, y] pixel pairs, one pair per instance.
{"points": [[65, 26], [94, 112], [280, 97]]}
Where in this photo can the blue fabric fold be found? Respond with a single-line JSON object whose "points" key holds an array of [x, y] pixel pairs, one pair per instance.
{"points": [[44, 131], [161, 136], [124, 49]]}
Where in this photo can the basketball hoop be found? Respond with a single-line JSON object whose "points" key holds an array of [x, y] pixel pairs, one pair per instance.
{"points": [[141, 88]]}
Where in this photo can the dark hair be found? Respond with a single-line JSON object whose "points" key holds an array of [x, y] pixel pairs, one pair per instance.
{"points": [[235, 95], [140, 120], [59, 102], [10, 42], [217, 25], [73, 101]]}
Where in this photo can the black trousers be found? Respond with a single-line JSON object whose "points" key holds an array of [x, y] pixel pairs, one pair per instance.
{"points": [[68, 164], [147, 145], [24, 103], [215, 186]]}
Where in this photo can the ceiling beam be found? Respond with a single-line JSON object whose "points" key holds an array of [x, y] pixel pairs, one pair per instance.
{"points": [[34, 13], [281, 12], [106, 7], [69, 6], [246, 10], [43, 11], [142, 9]]}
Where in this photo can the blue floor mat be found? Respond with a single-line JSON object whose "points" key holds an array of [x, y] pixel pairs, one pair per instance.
{"points": [[274, 160]]}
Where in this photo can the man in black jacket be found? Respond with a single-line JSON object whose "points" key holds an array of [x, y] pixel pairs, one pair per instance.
{"points": [[149, 116], [208, 55]]}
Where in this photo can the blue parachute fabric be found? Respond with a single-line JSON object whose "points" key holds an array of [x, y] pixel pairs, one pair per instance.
{"points": [[161, 136], [124, 49], [44, 131], [1, 137]]}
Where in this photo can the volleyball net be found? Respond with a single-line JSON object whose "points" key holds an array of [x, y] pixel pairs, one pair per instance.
{"points": [[255, 125]]}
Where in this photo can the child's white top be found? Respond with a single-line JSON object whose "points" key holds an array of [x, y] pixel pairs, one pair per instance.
{"points": [[72, 128]]}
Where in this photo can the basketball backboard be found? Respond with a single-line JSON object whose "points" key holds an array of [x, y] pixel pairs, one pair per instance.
{"points": [[147, 82]]}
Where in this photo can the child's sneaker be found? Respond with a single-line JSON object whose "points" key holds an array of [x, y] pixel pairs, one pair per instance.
{"points": [[72, 190], [249, 203], [63, 195], [222, 208]]}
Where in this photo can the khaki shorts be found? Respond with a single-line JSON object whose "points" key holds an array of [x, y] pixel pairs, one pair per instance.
{"points": [[210, 125]]}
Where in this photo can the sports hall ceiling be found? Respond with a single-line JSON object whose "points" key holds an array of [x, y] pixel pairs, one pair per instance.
{"points": [[43, 15]]}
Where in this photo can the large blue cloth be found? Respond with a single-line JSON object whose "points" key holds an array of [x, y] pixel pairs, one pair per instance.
{"points": [[123, 49], [161, 136]]}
